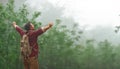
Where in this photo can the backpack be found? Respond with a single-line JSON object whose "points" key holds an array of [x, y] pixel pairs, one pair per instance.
{"points": [[25, 46]]}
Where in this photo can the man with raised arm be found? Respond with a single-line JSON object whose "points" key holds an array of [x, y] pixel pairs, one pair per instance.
{"points": [[31, 62]]}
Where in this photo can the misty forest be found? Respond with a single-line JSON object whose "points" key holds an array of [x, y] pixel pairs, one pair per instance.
{"points": [[61, 47]]}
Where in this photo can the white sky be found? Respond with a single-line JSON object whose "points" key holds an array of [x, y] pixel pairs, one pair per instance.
{"points": [[91, 12]]}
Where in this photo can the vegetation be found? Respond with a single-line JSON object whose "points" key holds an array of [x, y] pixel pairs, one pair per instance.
{"points": [[60, 48]]}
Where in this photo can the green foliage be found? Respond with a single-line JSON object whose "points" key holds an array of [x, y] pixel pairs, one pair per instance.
{"points": [[9, 39], [60, 48]]}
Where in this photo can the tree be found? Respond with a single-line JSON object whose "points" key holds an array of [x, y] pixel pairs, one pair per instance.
{"points": [[57, 46]]}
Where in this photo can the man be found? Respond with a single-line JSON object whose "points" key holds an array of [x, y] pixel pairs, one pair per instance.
{"points": [[32, 61]]}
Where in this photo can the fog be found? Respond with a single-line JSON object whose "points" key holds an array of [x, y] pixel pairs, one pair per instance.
{"points": [[50, 12]]}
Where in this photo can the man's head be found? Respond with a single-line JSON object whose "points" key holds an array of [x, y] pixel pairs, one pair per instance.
{"points": [[29, 26]]}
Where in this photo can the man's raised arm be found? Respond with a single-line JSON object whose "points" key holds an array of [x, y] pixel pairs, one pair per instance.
{"points": [[47, 27], [14, 24], [19, 30], [43, 29]]}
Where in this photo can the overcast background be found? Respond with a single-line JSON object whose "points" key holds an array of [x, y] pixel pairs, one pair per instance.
{"points": [[97, 18], [86, 12]]}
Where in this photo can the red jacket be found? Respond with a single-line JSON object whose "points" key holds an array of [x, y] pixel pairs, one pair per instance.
{"points": [[33, 35]]}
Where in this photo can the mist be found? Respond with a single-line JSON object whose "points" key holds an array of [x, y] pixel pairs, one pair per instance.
{"points": [[51, 12], [88, 42]]}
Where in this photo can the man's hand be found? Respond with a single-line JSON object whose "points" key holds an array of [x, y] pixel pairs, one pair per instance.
{"points": [[50, 24], [14, 24], [47, 27]]}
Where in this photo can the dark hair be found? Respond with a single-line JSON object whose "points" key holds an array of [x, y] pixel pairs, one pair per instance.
{"points": [[27, 26]]}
